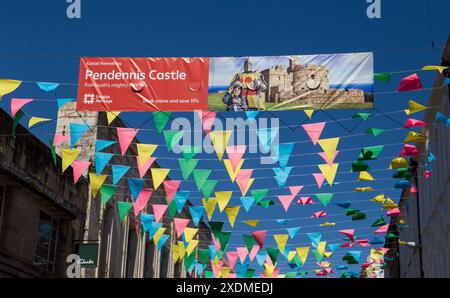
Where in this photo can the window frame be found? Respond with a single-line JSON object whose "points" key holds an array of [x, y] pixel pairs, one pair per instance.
{"points": [[49, 260]]}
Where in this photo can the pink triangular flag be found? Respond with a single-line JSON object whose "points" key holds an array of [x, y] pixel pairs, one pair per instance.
{"points": [[319, 214], [79, 167], [171, 187], [232, 257], [137, 225], [413, 123], [305, 200], [125, 136], [349, 233], [17, 104], [347, 244], [314, 130], [382, 229], [207, 120], [413, 189], [410, 83], [216, 269], [143, 169], [253, 252], [142, 200], [235, 154], [295, 189], [158, 211], [216, 242], [286, 201], [269, 260], [259, 236], [363, 242], [393, 212], [242, 253], [180, 225], [320, 178], [58, 139], [409, 150], [243, 177], [325, 157]]}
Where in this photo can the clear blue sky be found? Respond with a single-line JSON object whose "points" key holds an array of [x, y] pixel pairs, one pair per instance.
{"points": [[39, 43]]}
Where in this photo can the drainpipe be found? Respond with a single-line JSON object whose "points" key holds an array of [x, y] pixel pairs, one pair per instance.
{"points": [[413, 164]]}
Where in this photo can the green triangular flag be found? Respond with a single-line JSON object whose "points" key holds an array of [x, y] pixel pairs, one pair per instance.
{"points": [[124, 208], [216, 225], [384, 77], [160, 119], [319, 257], [221, 251], [203, 255], [249, 273], [290, 275], [259, 194], [200, 177], [107, 191], [297, 260], [402, 173], [370, 153], [53, 149], [17, 118], [359, 216], [350, 211], [273, 254], [187, 166], [208, 188], [349, 259], [375, 131], [172, 137], [391, 236], [188, 260], [360, 166], [209, 274], [363, 116], [324, 198], [189, 151], [379, 222], [172, 208], [249, 241], [266, 203], [223, 238]]}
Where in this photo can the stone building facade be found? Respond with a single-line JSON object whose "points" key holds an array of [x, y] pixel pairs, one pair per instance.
{"points": [[428, 211]]}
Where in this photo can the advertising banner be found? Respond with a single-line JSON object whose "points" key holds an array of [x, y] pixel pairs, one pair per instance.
{"points": [[325, 81]]}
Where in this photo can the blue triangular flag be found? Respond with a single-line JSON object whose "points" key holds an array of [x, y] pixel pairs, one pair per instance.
{"points": [[196, 213], [47, 87], [153, 228], [292, 231], [102, 144], [180, 198], [344, 205], [63, 101], [282, 221], [77, 130], [281, 175], [356, 254], [117, 172], [261, 258], [146, 220], [251, 115], [315, 238], [266, 137], [247, 202], [101, 160], [162, 240], [212, 251], [285, 151], [333, 246], [135, 186]]}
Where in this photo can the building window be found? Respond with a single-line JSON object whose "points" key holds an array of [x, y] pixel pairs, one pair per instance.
{"points": [[2, 203], [46, 242]]}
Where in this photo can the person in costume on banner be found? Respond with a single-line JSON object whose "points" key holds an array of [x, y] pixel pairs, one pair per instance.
{"points": [[253, 86], [233, 98]]}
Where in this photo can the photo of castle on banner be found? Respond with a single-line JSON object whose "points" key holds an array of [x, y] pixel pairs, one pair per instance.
{"points": [[326, 81]]}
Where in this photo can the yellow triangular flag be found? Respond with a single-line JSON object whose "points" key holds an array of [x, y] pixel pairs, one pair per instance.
{"points": [[158, 235], [191, 246], [35, 120], [269, 269], [327, 254], [68, 157], [329, 147], [291, 255], [210, 206], [309, 113], [414, 137], [216, 260], [329, 172], [281, 240], [321, 247], [389, 204], [399, 162], [181, 249], [110, 116], [232, 213], [365, 176], [175, 253], [229, 168], [303, 253], [189, 233], [252, 223], [224, 272], [219, 139], [8, 86], [414, 107], [158, 176], [363, 189], [96, 182], [328, 224], [145, 151], [247, 187], [378, 199], [223, 197], [435, 67]]}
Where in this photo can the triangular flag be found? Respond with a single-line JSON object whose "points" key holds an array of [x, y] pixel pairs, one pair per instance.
{"points": [[252, 223], [124, 208], [286, 201], [303, 253], [160, 119], [171, 187], [259, 236], [96, 182], [189, 233], [106, 193], [110, 116], [219, 139], [365, 176], [145, 151], [68, 156], [329, 172], [233, 173], [375, 131], [200, 177], [158, 211], [350, 233], [77, 130], [320, 178], [17, 104], [172, 138], [314, 130], [208, 188], [309, 113], [329, 146], [102, 144], [210, 206], [79, 168], [223, 197], [189, 152], [135, 186], [62, 101], [247, 202], [126, 136], [315, 238], [101, 160], [158, 176], [325, 198], [435, 67], [117, 172], [180, 225], [142, 201], [8, 86], [196, 213], [143, 168], [384, 77], [329, 161], [207, 118], [410, 83], [35, 120], [292, 231], [235, 154], [414, 107], [187, 166], [281, 240], [232, 213]]}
